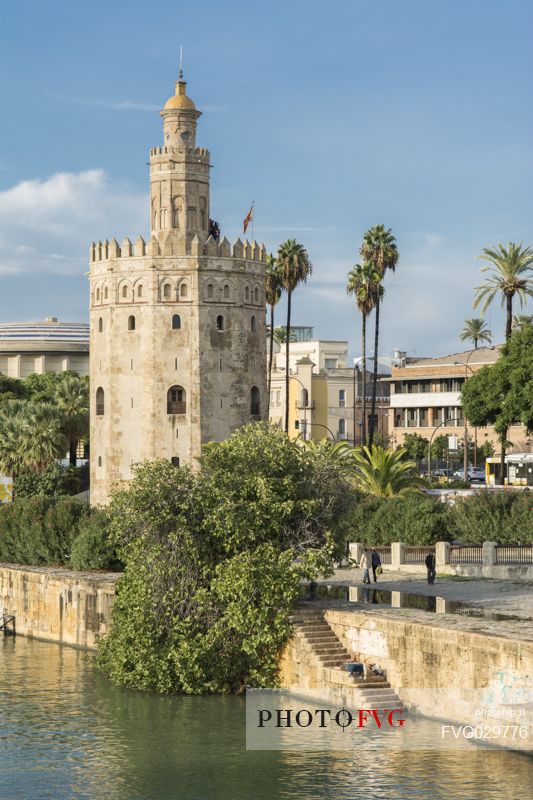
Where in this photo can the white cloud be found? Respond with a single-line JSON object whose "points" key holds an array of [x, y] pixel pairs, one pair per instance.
{"points": [[47, 225]]}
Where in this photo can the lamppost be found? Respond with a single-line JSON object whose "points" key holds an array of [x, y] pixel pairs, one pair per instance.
{"points": [[444, 421], [319, 425]]}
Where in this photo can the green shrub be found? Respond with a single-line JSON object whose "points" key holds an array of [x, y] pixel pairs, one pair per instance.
{"points": [[413, 519], [503, 516], [40, 530], [92, 548], [52, 481]]}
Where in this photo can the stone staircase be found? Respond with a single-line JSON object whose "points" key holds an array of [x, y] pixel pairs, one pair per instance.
{"points": [[327, 653]]}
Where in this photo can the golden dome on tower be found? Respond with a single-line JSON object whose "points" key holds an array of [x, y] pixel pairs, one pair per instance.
{"points": [[180, 99]]}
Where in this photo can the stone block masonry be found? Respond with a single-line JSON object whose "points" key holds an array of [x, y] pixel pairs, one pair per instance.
{"points": [[58, 605]]}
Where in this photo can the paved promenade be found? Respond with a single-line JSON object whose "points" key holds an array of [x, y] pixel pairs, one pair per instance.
{"points": [[497, 597]]}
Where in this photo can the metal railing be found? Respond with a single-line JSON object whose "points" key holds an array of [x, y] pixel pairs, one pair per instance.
{"points": [[466, 554], [417, 555], [519, 554], [384, 554]]}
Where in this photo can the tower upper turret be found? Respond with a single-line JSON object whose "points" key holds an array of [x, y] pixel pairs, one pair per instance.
{"points": [[179, 174]]}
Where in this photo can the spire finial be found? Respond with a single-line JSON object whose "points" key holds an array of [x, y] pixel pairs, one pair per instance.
{"points": [[180, 74]]}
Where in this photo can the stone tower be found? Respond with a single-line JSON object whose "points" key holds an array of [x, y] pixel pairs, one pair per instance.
{"points": [[178, 353]]}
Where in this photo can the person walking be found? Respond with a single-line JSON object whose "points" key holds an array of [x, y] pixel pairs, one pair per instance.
{"points": [[364, 563], [376, 562], [430, 566]]}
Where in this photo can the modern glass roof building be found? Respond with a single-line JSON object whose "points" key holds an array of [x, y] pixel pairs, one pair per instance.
{"points": [[48, 346]]}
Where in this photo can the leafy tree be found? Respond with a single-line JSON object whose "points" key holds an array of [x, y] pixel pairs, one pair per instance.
{"points": [[415, 446], [213, 565], [475, 330], [439, 446], [53, 481], [502, 394], [294, 268], [379, 249], [273, 291], [485, 450], [362, 282], [92, 547], [509, 274], [11, 389], [384, 473]]}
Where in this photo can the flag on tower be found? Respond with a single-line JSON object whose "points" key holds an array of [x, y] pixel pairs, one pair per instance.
{"points": [[249, 217]]}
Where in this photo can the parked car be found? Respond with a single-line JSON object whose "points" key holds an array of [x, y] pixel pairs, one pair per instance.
{"points": [[473, 474], [442, 473]]}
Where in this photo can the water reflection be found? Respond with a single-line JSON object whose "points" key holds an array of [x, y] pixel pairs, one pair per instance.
{"points": [[67, 734], [371, 595]]}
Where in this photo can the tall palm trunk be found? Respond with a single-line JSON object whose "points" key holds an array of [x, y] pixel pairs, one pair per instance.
{"points": [[72, 452], [475, 343], [363, 362], [374, 376], [287, 377], [271, 357], [509, 325]]}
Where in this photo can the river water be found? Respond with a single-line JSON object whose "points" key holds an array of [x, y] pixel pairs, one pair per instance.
{"points": [[67, 734]]}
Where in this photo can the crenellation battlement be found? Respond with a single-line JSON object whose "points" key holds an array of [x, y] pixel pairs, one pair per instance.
{"points": [[110, 250], [199, 153]]}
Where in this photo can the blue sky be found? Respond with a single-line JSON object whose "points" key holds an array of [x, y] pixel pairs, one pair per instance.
{"points": [[331, 116]]}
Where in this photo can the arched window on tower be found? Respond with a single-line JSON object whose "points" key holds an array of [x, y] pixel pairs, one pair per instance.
{"points": [[220, 323], [183, 290], [304, 398], [131, 323], [246, 293], [140, 290], [124, 291], [226, 291], [100, 325], [166, 291], [176, 400], [255, 404], [253, 325], [106, 293], [176, 322], [256, 295], [100, 402], [210, 291], [98, 295]]}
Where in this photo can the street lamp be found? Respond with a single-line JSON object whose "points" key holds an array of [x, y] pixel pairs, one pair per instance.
{"points": [[319, 425]]}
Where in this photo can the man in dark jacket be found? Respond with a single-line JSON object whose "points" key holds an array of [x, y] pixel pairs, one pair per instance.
{"points": [[430, 566], [376, 562]]}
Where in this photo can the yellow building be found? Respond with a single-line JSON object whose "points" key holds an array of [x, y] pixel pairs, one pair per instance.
{"points": [[325, 394]]}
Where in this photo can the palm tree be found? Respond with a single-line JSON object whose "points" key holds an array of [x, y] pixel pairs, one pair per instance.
{"points": [[522, 320], [510, 268], [475, 330], [280, 335], [46, 439], [273, 291], [13, 439], [294, 268], [361, 284], [379, 248], [72, 398], [385, 473]]}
